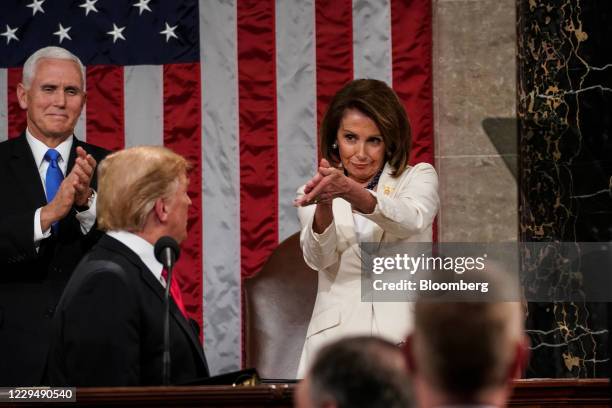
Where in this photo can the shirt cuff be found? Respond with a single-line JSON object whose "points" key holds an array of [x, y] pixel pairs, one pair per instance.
{"points": [[39, 234], [87, 218]]}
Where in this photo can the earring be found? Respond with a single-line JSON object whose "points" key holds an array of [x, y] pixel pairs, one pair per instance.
{"points": [[335, 146]]}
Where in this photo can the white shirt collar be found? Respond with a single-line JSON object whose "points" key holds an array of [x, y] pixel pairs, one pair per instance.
{"points": [[39, 149], [142, 248]]}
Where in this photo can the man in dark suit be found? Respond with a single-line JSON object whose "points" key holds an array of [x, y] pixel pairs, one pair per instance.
{"points": [[48, 186], [108, 326]]}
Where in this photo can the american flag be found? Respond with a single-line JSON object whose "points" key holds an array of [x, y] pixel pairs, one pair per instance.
{"points": [[236, 86]]}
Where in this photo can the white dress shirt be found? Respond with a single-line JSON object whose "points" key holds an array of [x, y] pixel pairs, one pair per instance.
{"points": [[86, 218], [144, 250]]}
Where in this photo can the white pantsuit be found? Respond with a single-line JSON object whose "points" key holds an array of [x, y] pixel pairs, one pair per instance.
{"points": [[406, 207]]}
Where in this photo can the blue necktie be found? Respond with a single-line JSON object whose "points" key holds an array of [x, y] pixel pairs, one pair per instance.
{"points": [[54, 178]]}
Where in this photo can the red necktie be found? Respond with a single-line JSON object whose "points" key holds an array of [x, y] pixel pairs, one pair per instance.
{"points": [[175, 292]]}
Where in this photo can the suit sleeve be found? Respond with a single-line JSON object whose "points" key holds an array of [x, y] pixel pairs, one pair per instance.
{"points": [[100, 333], [319, 249], [412, 209], [17, 237]]}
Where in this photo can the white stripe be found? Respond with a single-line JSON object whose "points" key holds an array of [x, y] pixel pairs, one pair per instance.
{"points": [[80, 129], [372, 39], [143, 106], [3, 104], [221, 185], [296, 106]]}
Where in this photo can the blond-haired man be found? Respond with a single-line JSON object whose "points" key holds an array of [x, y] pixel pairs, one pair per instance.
{"points": [[108, 324]]}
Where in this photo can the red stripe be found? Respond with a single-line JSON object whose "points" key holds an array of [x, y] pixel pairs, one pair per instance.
{"points": [[334, 49], [105, 122], [182, 134], [257, 125], [412, 71], [411, 36], [17, 119]]}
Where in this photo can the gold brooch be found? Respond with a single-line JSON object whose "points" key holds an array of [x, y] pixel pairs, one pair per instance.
{"points": [[387, 190]]}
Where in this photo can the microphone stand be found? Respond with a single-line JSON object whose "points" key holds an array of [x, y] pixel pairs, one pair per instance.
{"points": [[166, 355]]}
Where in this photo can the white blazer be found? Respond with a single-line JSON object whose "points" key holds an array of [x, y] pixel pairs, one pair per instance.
{"points": [[405, 211]]}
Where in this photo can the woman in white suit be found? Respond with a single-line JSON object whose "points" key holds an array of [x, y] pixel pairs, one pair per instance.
{"points": [[364, 191]]}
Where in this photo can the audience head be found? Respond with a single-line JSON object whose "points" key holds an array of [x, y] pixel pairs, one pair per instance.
{"points": [[144, 190], [468, 352], [356, 372]]}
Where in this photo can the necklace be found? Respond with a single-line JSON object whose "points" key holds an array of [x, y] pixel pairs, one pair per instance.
{"points": [[374, 182]]}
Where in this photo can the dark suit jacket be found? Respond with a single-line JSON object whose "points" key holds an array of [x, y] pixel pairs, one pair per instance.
{"points": [[108, 326], [31, 283]]}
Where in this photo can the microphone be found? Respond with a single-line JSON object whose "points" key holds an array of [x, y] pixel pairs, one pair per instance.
{"points": [[167, 252]]}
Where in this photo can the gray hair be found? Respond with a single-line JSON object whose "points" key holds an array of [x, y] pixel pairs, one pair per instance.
{"points": [[360, 372], [52, 52]]}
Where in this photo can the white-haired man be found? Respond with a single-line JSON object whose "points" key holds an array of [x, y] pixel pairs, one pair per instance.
{"points": [[48, 209]]}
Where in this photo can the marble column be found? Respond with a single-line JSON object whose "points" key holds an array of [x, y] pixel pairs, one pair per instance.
{"points": [[564, 92]]}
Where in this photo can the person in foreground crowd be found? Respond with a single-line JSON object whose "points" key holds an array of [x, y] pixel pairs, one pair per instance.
{"points": [[356, 372], [364, 191], [108, 327], [466, 354], [48, 209]]}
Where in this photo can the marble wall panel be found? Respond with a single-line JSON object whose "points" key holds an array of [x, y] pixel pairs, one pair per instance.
{"points": [[475, 126], [565, 167]]}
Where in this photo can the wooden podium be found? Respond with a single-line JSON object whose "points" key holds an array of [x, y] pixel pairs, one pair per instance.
{"points": [[527, 393]]}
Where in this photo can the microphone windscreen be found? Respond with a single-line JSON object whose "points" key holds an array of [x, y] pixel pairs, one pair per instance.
{"points": [[163, 243]]}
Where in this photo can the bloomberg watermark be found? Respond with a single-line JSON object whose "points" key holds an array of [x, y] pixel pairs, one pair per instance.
{"points": [[537, 272]]}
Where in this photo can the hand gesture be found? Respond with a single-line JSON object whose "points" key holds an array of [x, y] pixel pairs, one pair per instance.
{"points": [[84, 167], [326, 185], [61, 204]]}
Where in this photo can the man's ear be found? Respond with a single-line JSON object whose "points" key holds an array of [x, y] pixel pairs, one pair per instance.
{"points": [[22, 96], [521, 359], [408, 349], [161, 210]]}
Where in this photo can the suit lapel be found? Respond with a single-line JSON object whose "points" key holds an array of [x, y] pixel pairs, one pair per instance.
{"points": [[26, 173], [156, 288]]}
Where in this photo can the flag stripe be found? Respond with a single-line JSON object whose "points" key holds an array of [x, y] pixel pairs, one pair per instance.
{"points": [[144, 110], [334, 50], [372, 39], [257, 119], [105, 121], [412, 71], [221, 186], [182, 134], [17, 120], [3, 104], [297, 129]]}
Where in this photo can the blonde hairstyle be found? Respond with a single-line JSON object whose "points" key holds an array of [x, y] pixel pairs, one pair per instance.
{"points": [[131, 180]]}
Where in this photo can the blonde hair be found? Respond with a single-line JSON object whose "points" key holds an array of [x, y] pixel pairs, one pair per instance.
{"points": [[131, 180]]}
